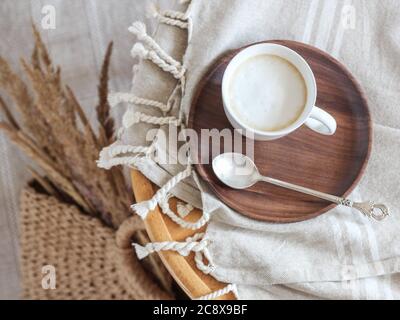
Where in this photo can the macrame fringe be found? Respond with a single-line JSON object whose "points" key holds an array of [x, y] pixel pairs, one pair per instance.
{"points": [[149, 49], [154, 52], [139, 30], [120, 154], [138, 50], [169, 17], [129, 155], [131, 118], [124, 149], [176, 15], [219, 293], [116, 98], [143, 208], [120, 161], [183, 211], [197, 244]]}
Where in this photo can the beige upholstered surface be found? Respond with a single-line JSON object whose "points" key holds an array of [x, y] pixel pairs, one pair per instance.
{"points": [[83, 29]]}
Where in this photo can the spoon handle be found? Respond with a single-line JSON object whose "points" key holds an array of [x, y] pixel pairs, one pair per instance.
{"points": [[369, 208]]}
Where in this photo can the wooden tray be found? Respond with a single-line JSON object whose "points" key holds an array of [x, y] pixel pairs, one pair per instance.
{"points": [[332, 164], [161, 228]]}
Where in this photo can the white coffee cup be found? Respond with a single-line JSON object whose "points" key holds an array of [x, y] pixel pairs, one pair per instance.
{"points": [[313, 117]]}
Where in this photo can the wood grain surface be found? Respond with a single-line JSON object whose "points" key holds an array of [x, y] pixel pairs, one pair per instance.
{"points": [[331, 164]]}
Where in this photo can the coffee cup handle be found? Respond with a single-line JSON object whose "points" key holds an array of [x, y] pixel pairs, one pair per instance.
{"points": [[322, 122]]}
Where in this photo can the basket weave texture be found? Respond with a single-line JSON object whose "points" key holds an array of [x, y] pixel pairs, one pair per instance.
{"points": [[91, 260]]}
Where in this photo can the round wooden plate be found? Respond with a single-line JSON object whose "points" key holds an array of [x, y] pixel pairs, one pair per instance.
{"points": [[332, 164], [161, 228]]}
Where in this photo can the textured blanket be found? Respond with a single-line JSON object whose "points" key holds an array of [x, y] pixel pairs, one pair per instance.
{"points": [[340, 254]]}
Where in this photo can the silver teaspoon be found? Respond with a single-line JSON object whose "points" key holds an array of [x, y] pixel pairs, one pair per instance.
{"points": [[239, 172]]}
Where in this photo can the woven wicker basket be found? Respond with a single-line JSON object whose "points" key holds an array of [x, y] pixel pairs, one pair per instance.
{"points": [[91, 261]]}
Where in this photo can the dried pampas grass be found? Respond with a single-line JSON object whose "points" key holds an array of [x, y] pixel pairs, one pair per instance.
{"points": [[53, 130]]}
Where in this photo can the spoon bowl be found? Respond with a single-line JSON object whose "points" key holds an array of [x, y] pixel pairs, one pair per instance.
{"points": [[236, 170], [240, 172]]}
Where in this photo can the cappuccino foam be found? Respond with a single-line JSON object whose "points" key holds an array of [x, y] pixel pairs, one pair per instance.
{"points": [[267, 93]]}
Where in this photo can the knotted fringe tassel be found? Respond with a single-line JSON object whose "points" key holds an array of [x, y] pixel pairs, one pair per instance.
{"points": [[119, 161], [134, 117], [182, 209], [221, 292], [140, 51], [139, 29], [192, 244], [111, 156], [143, 208], [173, 18], [124, 149], [116, 98], [175, 15], [165, 208]]}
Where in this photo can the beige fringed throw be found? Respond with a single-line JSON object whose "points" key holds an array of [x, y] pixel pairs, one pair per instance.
{"points": [[90, 260], [338, 255]]}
